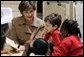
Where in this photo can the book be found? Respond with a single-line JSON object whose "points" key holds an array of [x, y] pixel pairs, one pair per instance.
{"points": [[11, 43]]}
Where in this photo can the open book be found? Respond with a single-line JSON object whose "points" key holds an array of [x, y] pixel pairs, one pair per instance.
{"points": [[14, 45], [11, 43]]}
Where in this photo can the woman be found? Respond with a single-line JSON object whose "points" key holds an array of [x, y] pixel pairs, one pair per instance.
{"points": [[24, 25]]}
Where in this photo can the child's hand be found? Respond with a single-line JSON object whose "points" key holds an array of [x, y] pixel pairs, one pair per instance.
{"points": [[21, 48]]}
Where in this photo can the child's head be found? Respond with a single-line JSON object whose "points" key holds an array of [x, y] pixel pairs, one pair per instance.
{"points": [[53, 21], [70, 27], [39, 47]]}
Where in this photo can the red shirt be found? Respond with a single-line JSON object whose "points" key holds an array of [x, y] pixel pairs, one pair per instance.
{"points": [[55, 37], [70, 46]]}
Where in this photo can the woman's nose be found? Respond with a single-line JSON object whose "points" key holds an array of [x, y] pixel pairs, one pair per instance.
{"points": [[29, 14]]}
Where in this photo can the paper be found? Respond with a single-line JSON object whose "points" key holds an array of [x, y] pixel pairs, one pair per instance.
{"points": [[13, 54], [11, 43], [17, 54]]}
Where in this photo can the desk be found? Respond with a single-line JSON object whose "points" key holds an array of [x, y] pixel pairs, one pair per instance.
{"points": [[13, 54]]}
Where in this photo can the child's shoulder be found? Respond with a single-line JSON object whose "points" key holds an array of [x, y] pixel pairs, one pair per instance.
{"points": [[56, 31], [70, 38]]}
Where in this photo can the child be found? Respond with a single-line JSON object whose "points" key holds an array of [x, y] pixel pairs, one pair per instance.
{"points": [[38, 48], [71, 44], [52, 24], [4, 28]]}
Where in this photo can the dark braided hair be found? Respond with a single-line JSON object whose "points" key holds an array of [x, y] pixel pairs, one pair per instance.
{"points": [[70, 27]]}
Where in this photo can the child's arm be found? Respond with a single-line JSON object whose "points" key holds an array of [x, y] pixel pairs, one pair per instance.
{"points": [[56, 38]]}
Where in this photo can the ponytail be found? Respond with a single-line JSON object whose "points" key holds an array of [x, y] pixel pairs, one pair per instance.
{"points": [[79, 33]]}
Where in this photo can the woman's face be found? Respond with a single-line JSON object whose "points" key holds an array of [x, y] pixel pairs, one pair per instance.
{"points": [[28, 15]]}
